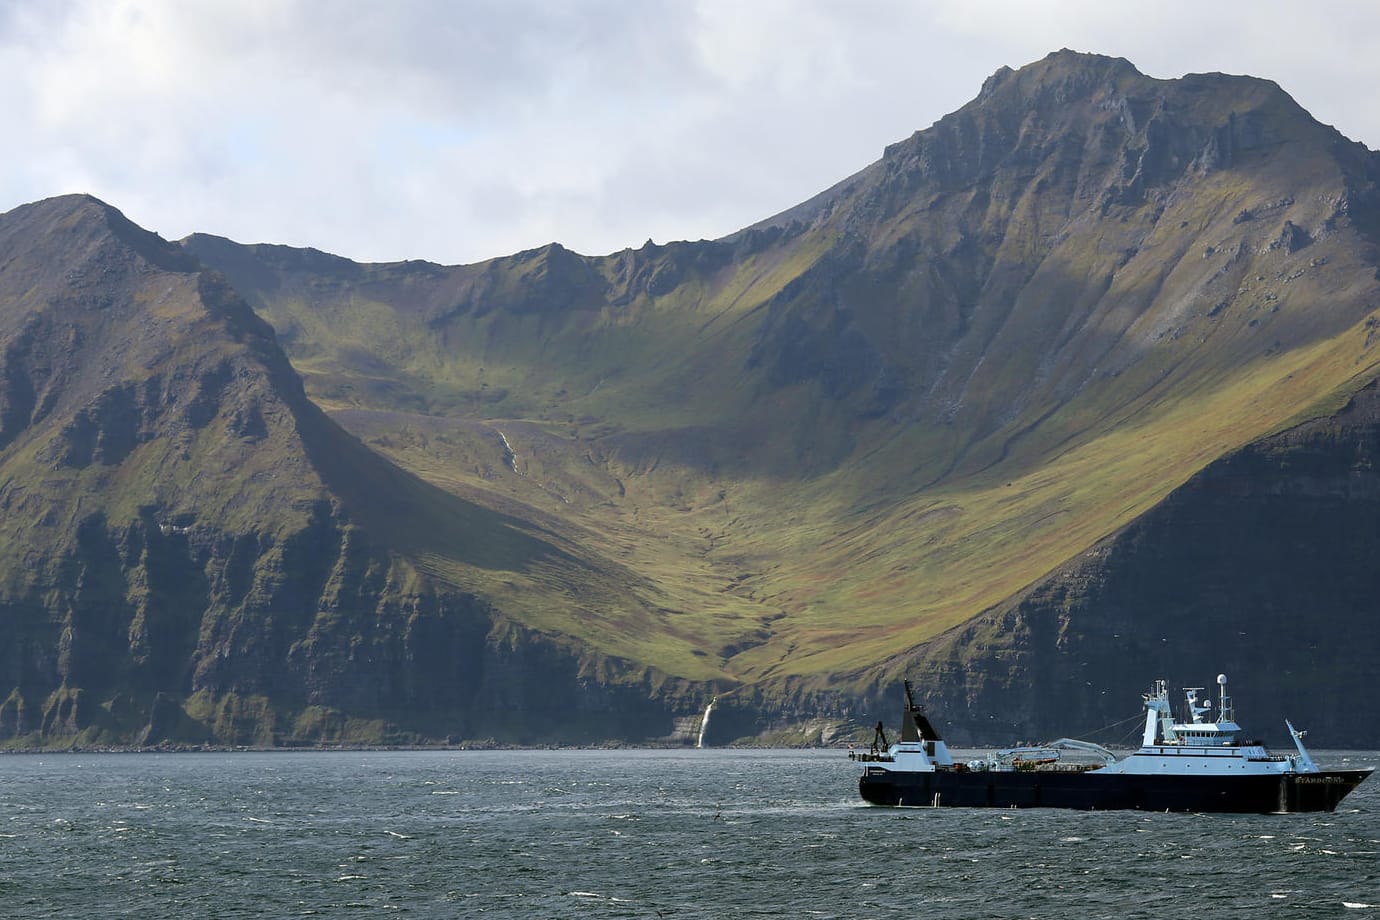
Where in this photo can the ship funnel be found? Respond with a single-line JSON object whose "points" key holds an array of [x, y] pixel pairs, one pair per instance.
{"points": [[915, 725]]}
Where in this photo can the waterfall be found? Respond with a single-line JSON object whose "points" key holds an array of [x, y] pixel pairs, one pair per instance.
{"points": [[510, 456], [704, 722]]}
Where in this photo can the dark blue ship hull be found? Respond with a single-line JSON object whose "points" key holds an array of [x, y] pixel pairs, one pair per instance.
{"points": [[1094, 790]]}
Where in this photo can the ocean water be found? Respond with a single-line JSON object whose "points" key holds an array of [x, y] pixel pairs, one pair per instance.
{"points": [[637, 834]]}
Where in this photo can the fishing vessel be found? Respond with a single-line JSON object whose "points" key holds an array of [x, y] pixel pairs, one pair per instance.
{"points": [[1199, 765]]}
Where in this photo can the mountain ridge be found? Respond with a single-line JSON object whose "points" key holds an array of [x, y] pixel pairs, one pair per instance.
{"points": [[874, 433]]}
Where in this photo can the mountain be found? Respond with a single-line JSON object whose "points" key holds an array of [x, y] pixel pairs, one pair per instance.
{"points": [[194, 552], [1072, 390], [851, 440]]}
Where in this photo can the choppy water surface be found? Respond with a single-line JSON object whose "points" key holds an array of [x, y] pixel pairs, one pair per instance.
{"points": [[627, 834]]}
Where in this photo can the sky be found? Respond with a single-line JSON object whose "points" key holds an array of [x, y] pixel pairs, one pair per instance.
{"points": [[460, 130]]}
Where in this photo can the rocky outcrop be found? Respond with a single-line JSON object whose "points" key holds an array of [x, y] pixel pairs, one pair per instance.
{"points": [[176, 634]]}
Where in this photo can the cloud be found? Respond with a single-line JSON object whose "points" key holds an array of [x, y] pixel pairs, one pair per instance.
{"points": [[456, 131]]}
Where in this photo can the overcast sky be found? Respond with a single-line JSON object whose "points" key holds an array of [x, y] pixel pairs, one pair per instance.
{"points": [[457, 130]]}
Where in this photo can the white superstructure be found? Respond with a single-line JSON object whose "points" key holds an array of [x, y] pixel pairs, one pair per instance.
{"points": [[1198, 746]]}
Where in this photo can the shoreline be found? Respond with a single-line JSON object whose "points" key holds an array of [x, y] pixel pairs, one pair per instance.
{"points": [[386, 748]]}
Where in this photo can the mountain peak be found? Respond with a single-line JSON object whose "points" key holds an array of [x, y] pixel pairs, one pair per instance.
{"points": [[84, 223], [1063, 76], [1121, 131], [1066, 63]]}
